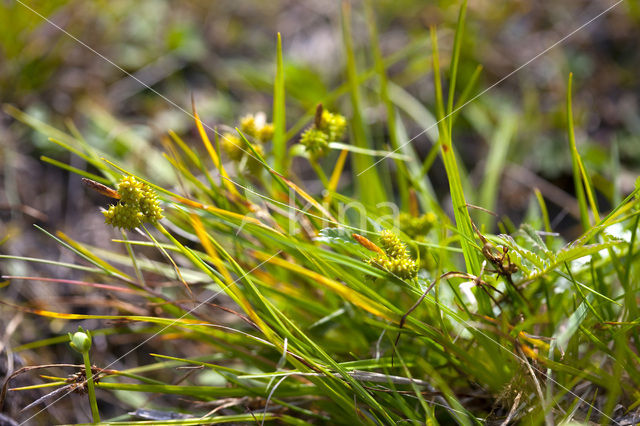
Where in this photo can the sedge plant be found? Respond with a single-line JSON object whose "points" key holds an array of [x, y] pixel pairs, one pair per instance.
{"points": [[335, 306]]}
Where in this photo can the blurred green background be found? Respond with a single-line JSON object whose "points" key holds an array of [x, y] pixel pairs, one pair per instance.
{"points": [[223, 52]]}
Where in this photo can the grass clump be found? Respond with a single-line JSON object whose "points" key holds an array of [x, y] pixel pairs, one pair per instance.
{"points": [[261, 289]]}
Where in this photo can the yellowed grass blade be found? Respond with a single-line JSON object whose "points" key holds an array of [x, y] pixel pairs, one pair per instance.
{"points": [[335, 286]]}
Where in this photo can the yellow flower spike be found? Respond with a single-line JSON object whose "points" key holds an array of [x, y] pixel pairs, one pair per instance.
{"points": [[392, 245], [327, 127], [396, 258], [404, 267], [248, 125], [417, 226], [366, 243], [265, 133], [334, 125], [138, 204], [316, 142], [233, 146]]}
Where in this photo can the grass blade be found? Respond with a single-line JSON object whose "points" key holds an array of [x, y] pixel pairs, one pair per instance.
{"points": [[461, 213], [367, 179], [279, 124]]}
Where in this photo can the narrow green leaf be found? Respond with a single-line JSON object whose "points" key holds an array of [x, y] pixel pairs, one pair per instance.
{"points": [[581, 180], [461, 213], [401, 174], [455, 58], [498, 149], [279, 120], [367, 178], [75, 170]]}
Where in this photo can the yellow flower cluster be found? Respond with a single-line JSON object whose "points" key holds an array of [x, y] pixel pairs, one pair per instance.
{"points": [[334, 125], [396, 258], [138, 203], [254, 127], [316, 142], [233, 146], [327, 128], [392, 245], [416, 226]]}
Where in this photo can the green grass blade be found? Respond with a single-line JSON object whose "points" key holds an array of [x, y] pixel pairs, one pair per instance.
{"points": [[279, 120], [401, 175], [545, 216], [581, 182], [75, 170], [495, 164], [455, 58], [463, 221], [367, 178]]}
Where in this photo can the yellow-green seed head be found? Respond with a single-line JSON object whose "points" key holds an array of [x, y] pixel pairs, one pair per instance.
{"points": [[417, 226], [130, 189], [233, 146], [248, 126], [150, 206], [123, 216], [403, 267], [392, 245], [265, 133], [396, 259], [316, 142], [138, 204], [334, 125]]}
